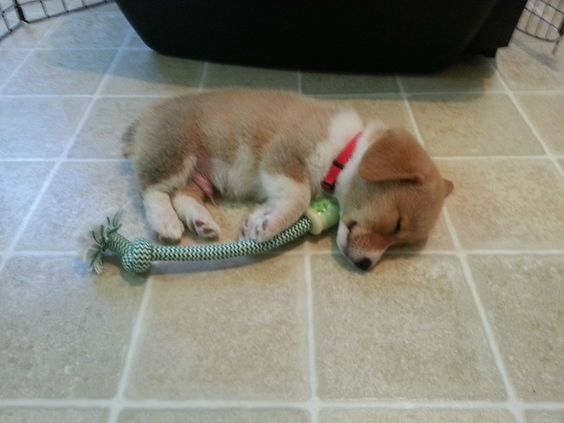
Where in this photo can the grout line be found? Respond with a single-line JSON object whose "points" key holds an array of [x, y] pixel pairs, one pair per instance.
{"points": [[513, 401], [530, 124], [258, 404], [314, 402], [66, 159], [526, 92], [28, 160], [45, 96], [354, 96], [40, 253], [351, 96], [204, 76], [453, 93], [409, 110], [54, 403], [100, 160], [514, 252], [70, 48], [118, 401], [101, 95], [499, 157]]}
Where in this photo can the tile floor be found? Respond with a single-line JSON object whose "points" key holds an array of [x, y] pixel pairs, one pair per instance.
{"points": [[468, 329]]}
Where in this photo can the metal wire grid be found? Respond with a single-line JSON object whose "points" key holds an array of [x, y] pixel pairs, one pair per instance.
{"points": [[14, 13], [544, 20]]}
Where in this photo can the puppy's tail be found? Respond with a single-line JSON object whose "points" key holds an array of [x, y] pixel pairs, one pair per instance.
{"points": [[128, 139]]}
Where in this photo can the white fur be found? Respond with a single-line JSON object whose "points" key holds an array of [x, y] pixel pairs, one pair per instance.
{"points": [[346, 175], [238, 179], [195, 215], [344, 126], [352, 255], [287, 201], [161, 216]]}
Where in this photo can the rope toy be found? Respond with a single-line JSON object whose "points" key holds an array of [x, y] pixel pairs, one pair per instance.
{"points": [[137, 256]]}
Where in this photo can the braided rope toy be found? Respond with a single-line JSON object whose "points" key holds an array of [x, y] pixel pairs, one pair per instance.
{"points": [[137, 256]]}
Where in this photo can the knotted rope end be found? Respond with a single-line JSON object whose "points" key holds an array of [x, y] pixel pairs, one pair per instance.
{"points": [[97, 242]]}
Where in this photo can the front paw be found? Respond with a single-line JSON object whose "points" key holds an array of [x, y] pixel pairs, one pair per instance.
{"points": [[169, 230], [259, 226]]}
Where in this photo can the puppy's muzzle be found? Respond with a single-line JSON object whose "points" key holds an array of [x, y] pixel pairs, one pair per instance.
{"points": [[364, 264]]}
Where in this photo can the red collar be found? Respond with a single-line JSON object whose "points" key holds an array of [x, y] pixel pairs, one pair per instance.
{"points": [[328, 183]]}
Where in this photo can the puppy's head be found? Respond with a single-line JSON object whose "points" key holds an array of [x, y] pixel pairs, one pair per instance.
{"points": [[395, 197]]}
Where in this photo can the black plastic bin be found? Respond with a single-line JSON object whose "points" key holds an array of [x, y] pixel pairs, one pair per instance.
{"points": [[353, 35]]}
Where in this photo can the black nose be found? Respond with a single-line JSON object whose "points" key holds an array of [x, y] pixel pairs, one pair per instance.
{"points": [[364, 264]]}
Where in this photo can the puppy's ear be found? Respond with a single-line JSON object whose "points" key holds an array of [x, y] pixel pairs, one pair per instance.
{"points": [[395, 156], [449, 186]]}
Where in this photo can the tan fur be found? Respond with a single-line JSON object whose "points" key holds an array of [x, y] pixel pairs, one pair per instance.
{"points": [[282, 128], [273, 146]]}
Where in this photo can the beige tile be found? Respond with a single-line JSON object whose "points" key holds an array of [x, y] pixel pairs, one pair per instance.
{"points": [[470, 74], [224, 76], [407, 330], [61, 72], [38, 127], [29, 35], [335, 83], [506, 203], [325, 242], [101, 135], [417, 416], [136, 42], [561, 163], [19, 185], [85, 29], [9, 61], [524, 298], [545, 112], [544, 416], [147, 73], [527, 67], [236, 333], [49, 415], [214, 416], [59, 324], [389, 110], [470, 125], [82, 195]]}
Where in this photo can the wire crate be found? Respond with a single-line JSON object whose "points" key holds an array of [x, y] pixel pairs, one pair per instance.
{"points": [[544, 20], [15, 13]]}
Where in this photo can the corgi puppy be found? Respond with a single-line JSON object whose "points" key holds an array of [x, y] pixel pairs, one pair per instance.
{"points": [[283, 150]]}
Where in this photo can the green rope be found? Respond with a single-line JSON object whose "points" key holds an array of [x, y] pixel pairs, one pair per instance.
{"points": [[137, 256]]}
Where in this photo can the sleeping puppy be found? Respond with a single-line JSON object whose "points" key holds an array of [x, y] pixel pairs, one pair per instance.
{"points": [[283, 150]]}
